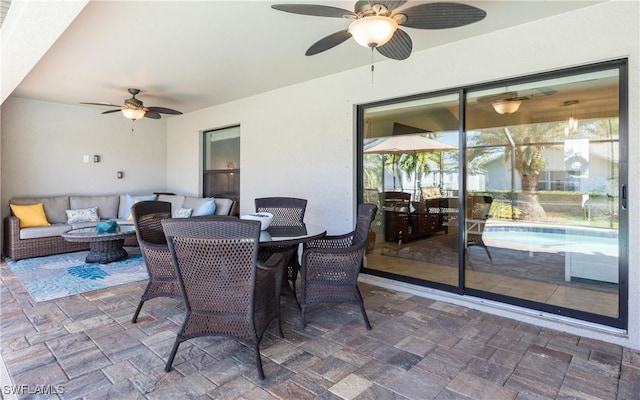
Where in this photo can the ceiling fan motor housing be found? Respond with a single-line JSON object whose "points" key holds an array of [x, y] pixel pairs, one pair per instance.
{"points": [[133, 103]]}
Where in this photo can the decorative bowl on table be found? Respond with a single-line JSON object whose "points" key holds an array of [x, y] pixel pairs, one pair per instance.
{"points": [[264, 218], [109, 226]]}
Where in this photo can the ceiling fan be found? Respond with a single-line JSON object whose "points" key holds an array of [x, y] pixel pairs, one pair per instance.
{"points": [[134, 109], [509, 102], [374, 23]]}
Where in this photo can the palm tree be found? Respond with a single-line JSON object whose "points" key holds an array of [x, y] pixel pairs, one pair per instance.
{"points": [[522, 146], [416, 165]]}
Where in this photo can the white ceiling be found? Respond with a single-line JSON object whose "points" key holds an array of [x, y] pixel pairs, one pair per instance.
{"points": [[193, 55]]}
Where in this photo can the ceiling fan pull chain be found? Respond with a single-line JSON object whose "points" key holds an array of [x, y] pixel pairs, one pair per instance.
{"points": [[372, 65]]}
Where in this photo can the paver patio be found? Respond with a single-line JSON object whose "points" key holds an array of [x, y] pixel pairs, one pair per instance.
{"points": [[85, 346]]}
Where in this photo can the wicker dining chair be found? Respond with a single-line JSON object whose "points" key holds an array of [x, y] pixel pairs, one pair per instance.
{"points": [[330, 266], [163, 281], [287, 211], [227, 292]]}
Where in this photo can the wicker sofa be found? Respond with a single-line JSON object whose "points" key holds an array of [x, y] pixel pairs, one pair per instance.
{"points": [[40, 241]]}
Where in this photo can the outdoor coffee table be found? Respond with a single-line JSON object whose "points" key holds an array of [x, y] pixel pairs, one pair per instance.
{"points": [[104, 247]]}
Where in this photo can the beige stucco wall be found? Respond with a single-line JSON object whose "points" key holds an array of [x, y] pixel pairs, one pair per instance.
{"points": [[43, 145], [300, 140]]}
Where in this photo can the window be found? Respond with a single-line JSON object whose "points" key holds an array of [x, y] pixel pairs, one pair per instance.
{"points": [[221, 175]]}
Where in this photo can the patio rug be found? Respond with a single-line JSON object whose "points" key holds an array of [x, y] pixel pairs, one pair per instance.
{"points": [[53, 277]]}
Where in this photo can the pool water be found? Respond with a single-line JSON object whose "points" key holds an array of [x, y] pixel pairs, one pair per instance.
{"points": [[552, 239]]}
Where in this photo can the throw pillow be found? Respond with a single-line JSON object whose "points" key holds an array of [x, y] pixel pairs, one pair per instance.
{"points": [[130, 217], [30, 215], [82, 215], [430, 192], [131, 201], [182, 213], [208, 207]]}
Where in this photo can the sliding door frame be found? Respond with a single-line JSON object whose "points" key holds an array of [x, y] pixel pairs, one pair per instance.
{"points": [[623, 262]]}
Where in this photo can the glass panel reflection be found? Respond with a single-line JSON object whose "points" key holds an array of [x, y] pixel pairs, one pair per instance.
{"points": [[410, 158], [542, 192]]}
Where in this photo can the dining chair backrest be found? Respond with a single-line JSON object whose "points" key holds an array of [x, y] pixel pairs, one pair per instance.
{"points": [[366, 214], [163, 282], [146, 217], [226, 291], [287, 211], [216, 260], [330, 266], [478, 206], [395, 199], [478, 212]]}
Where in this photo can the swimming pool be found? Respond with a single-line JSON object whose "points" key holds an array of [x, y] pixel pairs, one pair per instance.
{"points": [[552, 239]]}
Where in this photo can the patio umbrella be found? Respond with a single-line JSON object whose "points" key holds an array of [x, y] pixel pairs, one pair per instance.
{"points": [[408, 144]]}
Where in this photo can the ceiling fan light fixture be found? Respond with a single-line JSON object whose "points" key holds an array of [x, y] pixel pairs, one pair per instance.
{"points": [[373, 31], [506, 106], [133, 113]]}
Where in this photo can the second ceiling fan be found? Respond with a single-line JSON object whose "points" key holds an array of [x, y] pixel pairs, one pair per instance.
{"points": [[134, 108], [374, 23]]}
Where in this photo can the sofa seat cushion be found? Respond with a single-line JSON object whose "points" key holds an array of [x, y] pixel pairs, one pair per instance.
{"points": [[54, 207], [79, 225], [107, 205], [93, 224], [44, 231]]}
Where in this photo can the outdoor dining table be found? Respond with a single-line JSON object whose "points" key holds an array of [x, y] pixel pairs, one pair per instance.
{"points": [[291, 235], [284, 238]]}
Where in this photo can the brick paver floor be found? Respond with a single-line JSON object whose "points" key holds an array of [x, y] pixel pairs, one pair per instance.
{"points": [[85, 346]]}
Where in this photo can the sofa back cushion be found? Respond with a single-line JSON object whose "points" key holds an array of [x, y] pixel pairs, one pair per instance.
{"points": [[223, 206], [200, 206], [176, 201], [55, 208], [430, 192], [107, 205], [127, 201]]}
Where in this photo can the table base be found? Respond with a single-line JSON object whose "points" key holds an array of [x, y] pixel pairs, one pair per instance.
{"points": [[107, 251]]}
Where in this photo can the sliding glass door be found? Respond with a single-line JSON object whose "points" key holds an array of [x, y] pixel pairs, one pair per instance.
{"points": [[411, 171], [512, 191]]}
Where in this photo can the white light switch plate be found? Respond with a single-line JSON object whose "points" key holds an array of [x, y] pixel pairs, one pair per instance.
{"points": [[85, 159]]}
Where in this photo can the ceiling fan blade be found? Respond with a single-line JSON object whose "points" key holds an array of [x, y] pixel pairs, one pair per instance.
{"points": [[102, 104], [152, 115], [312, 9], [328, 42], [441, 15], [398, 48], [164, 110], [110, 111]]}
